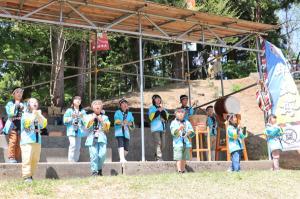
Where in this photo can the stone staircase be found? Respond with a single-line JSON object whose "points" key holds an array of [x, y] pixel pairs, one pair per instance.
{"points": [[55, 148]]}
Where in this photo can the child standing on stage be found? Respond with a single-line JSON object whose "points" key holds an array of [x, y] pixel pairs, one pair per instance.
{"points": [[97, 124], [212, 124], [14, 110], [274, 133], [31, 124], [124, 123], [158, 117], [189, 111], [235, 136], [181, 130], [73, 119]]}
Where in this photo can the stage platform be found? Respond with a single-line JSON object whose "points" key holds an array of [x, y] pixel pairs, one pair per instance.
{"points": [[60, 170]]}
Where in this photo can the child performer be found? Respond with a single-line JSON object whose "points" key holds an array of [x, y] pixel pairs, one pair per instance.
{"points": [[235, 136], [124, 123], [14, 110], [189, 111], [73, 119], [274, 133], [97, 124], [158, 117], [212, 124], [181, 130], [31, 124]]}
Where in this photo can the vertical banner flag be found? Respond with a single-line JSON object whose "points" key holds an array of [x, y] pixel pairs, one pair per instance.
{"points": [[102, 42], [284, 94]]}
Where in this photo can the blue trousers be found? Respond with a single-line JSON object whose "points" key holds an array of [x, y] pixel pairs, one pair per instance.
{"points": [[97, 156], [235, 160]]}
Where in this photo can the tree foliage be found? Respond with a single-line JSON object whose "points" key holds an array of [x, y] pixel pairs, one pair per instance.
{"points": [[24, 41]]}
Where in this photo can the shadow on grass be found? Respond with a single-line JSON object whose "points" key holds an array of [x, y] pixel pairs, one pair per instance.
{"points": [[51, 173]]}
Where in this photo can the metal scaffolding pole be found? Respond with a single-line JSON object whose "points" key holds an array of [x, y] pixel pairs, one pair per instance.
{"points": [[128, 32], [221, 68], [259, 70], [95, 86], [188, 76], [141, 89], [89, 69]]}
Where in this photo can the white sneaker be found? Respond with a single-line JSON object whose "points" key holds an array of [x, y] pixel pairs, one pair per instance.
{"points": [[28, 180]]}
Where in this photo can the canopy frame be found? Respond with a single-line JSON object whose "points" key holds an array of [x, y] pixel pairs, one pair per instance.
{"points": [[148, 24]]}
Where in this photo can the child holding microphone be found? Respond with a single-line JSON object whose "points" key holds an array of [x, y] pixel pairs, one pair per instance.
{"points": [[181, 131], [274, 133], [235, 140], [31, 124]]}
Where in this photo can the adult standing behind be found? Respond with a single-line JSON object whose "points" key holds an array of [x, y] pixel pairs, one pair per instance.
{"points": [[158, 116], [14, 110], [73, 119], [124, 123], [189, 111]]}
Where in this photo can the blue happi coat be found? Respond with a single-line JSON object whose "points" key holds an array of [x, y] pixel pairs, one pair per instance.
{"points": [[13, 113], [235, 136], [213, 125], [181, 138], [189, 111], [120, 130], [75, 126], [158, 123], [274, 134], [92, 125], [30, 128]]}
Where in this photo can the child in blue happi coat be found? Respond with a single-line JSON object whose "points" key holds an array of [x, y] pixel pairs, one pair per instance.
{"points": [[32, 122], [235, 140], [124, 124], [73, 119], [274, 134], [181, 130], [97, 124], [189, 111], [213, 125], [158, 116]]}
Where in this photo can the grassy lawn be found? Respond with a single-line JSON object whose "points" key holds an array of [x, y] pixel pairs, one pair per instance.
{"points": [[254, 184]]}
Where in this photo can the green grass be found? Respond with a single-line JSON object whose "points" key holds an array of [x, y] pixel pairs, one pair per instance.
{"points": [[236, 87], [254, 184]]}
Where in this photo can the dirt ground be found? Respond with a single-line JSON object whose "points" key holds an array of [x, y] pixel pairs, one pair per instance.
{"points": [[252, 116]]}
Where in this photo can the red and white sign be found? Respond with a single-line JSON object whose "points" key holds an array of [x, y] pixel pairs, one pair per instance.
{"points": [[102, 43], [191, 4]]}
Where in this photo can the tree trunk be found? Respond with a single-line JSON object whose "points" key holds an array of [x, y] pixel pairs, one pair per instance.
{"points": [[28, 80], [58, 45], [135, 52], [177, 63], [82, 62]]}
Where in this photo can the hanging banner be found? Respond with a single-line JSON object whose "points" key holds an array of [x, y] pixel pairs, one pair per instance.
{"points": [[102, 43], [284, 94]]}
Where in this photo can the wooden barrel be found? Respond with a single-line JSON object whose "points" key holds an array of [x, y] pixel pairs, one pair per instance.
{"points": [[199, 121], [226, 105]]}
